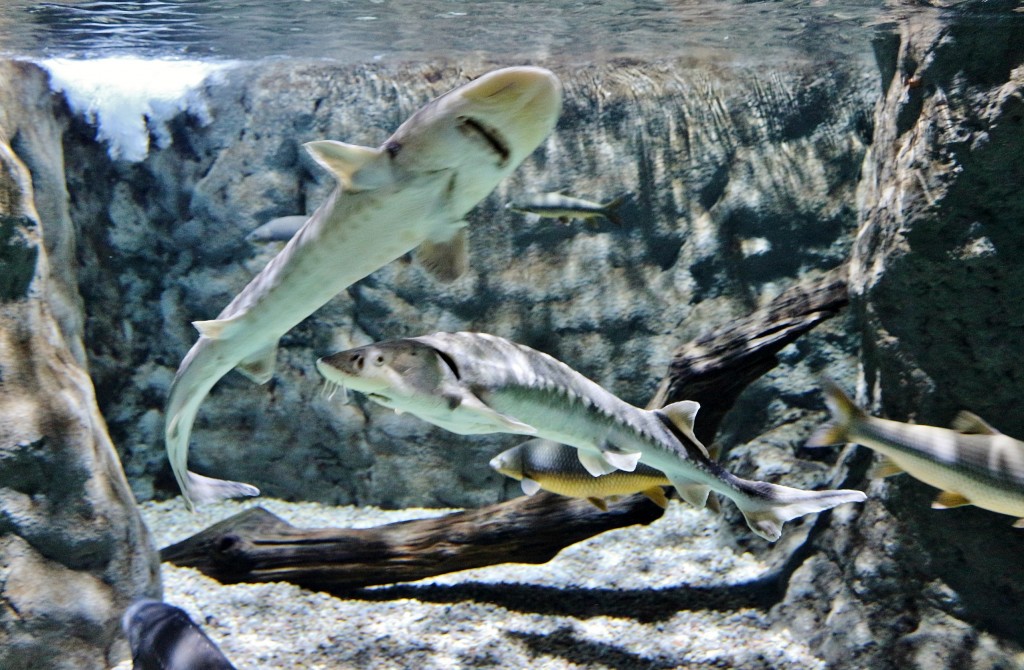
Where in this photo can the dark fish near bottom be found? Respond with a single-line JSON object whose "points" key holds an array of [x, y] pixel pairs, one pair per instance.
{"points": [[164, 637]]}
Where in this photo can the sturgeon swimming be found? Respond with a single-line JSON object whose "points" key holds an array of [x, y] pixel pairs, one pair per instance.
{"points": [[413, 191], [972, 464], [474, 383]]}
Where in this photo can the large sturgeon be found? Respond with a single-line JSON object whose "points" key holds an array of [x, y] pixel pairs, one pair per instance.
{"points": [[413, 191], [474, 383]]}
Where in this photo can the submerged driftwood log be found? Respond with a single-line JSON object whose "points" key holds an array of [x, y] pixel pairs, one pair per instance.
{"points": [[256, 546]]}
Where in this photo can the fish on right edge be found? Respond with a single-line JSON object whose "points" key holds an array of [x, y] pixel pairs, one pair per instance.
{"points": [[971, 464], [565, 207], [551, 466], [164, 637], [475, 383]]}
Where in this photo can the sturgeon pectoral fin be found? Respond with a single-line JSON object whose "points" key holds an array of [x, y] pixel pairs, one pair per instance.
{"points": [[599, 503], [885, 467], [260, 366], [593, 463], [357, 168], [949, 499], [1019, 523], [620, 461], [529, 486], [506, 424], [218, 329], [656, 494], [446, 260], [692, 492]]}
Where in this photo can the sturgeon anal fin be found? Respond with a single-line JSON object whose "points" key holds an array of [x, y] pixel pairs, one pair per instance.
{"points": [[621, 461], [529, 486], [594, 463], [970, 423], [690, 491], [885, 467], [219, 329], [446, 260], [1019, 523], [656, 495], [682, 414], [948, 499], [471, 404], [260, 366], [357, 168], [599, 503]]}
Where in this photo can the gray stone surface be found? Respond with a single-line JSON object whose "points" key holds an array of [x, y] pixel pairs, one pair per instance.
{"points": [[73, 549], [938, 289]]}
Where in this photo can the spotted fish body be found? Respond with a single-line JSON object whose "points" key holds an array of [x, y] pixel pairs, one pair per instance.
{"points": [[971, 464], [410, 193], [542, 464], [474, 383]]}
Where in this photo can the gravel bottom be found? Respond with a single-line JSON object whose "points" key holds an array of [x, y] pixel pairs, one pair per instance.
{"points": [[667, 595]]}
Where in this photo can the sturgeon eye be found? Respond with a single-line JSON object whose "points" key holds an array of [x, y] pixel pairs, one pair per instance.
{"points": [[392, 147], [379, 359]]}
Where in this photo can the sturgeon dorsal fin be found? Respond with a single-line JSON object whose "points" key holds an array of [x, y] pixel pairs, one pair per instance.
{"points": [[260, 366], [447, 260], [949, 499], [682, 415], [970, 423], [356, 167]]}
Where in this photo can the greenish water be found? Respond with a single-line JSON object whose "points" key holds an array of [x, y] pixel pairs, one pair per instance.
{"points": [[359, 30]]}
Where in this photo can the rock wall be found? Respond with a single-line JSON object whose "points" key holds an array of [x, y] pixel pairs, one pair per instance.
{"points": [[73, 550], [741, 181], [938, 288]]}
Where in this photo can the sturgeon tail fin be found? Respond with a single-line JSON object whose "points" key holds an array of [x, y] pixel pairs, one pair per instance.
{"points": [[195, 377], [844, 413], [768, 506]]}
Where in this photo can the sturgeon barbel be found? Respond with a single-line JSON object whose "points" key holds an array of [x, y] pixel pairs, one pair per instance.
{"points": [[411, 192], [972, 464], [474, 383]]}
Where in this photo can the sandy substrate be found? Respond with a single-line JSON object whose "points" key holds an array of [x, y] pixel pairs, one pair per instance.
{"points": [[666, 595]]}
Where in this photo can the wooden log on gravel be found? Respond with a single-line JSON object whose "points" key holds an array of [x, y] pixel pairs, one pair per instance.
{"points": [[256, 546]]}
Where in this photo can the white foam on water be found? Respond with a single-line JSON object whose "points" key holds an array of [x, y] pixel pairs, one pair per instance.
{"points": [[131, 99]]}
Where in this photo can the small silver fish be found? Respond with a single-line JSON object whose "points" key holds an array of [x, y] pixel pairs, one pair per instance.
{"points": [[281, 229], [543, 464], [164, 637], [971, 464], [564, 207]]}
